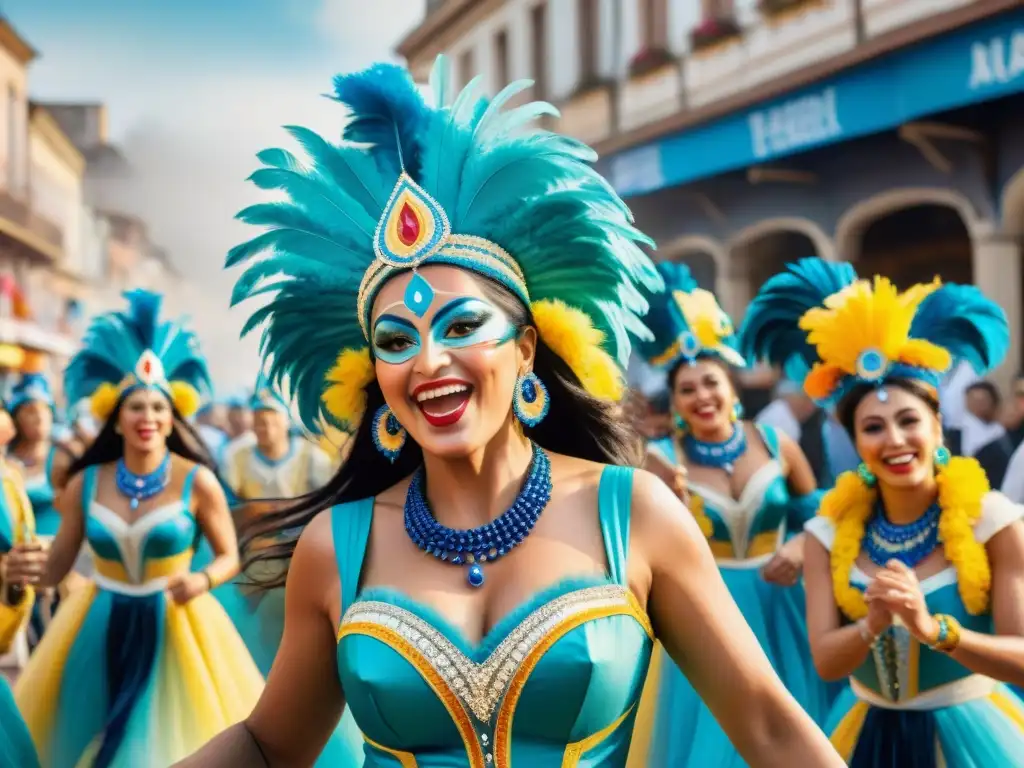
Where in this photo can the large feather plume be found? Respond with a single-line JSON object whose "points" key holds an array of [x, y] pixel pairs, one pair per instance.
{"points": [[967, 324], [114, 342], [771, 327], [533, 193]]}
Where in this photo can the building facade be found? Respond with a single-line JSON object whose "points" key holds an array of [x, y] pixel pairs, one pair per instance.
{"points": [[750, 133]]}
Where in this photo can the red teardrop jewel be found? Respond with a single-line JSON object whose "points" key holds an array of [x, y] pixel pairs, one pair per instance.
{"points": [[147, 367], [408, 225]]}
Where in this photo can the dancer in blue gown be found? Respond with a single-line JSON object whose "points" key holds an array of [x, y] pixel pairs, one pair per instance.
{"points": [[914, 565], [483, 578], [751, 490]]}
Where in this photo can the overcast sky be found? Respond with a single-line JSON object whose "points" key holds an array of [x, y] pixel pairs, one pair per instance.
{"points": [[194, 89]]}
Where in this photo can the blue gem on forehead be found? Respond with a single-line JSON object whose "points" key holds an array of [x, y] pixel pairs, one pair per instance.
{"points": [[418, 295]]}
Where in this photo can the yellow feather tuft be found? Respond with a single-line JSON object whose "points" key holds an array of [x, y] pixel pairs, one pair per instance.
{"points": [[104, 401], [707, 321], [866, 316], [570, 334], [185, 398], [345, 394]]}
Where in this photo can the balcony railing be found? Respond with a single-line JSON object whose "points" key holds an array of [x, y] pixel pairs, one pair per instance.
{"points": [[17, 212]]}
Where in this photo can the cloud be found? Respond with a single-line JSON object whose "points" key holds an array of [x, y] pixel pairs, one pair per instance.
{"points": [[360, 26]]}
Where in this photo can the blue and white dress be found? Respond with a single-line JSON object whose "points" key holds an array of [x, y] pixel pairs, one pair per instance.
{"points": [[42, 495], [919, 707], [747, 532]]}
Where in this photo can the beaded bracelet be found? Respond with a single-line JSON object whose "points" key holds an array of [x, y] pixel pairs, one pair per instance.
{"points": [[865, 633], [948, 638]]}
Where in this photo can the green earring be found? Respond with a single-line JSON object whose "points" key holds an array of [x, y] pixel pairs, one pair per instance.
{"points": [[866, 475], [941, 456], [680, 424]]}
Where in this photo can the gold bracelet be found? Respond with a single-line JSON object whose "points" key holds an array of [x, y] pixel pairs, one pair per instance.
{"points": [[210, 585], [948, 637]]}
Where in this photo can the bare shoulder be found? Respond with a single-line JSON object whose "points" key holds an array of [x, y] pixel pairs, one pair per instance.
{"points": [[660, 523], [573, 472], [314, 566], [392, 498], [75, 485], [316, 542]]}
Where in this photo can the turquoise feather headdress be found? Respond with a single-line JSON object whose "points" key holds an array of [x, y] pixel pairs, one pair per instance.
{"points": [[687, 323], [458, 182], [125, 350], [31, 387], [832, 331]]}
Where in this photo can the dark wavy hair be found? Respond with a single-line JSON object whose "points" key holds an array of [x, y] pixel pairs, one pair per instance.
{"points": [[847, 407], [109, 446], [578, 424]]}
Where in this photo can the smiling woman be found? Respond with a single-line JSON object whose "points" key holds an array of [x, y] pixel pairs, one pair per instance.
{"points": [[915, 568], [482, 580], [142, 661]]}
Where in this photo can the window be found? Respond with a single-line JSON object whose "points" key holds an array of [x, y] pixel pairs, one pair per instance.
{"points": [[466, 67], [538, 49], [501, 73], [589, 30], [654, 23]]}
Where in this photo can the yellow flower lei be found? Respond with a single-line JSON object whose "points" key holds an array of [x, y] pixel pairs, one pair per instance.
{"points": [[962, 486]]}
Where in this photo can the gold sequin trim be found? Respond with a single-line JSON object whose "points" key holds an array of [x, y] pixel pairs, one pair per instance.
{"points": [[503, 730], [481, 686], [411, 653]]}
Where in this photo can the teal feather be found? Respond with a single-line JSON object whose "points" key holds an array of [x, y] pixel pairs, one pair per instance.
{"points": [[533, 193], [965, 322], [771, 327], [115, 341]]}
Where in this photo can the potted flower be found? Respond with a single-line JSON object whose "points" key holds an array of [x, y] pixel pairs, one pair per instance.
{"points": [[649, 59], [714, 29]]}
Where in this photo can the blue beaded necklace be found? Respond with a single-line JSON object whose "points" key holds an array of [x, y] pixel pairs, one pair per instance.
{"points": [[719, 455], [910, 544], [488, 542], [138, 488]]}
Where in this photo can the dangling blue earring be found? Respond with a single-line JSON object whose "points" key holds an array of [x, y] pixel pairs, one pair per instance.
{"points": [[866, 475], [530, 401], [737, 411], [680, 424], [941, 456], [388, 435]]}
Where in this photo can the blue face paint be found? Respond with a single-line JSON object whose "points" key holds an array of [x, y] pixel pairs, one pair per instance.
{"points": [[395, 340], [468, 322]]}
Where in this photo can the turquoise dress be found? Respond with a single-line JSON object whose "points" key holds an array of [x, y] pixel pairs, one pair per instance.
{"points": [[125, 676], [555, 683], [42, 495], [16, 748], [746, 534], [911, 707]]}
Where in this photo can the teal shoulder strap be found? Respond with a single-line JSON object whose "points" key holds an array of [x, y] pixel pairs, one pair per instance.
{"points": [[666, 448], [48, 471], [350, 528], [88, 488], [186, 488], [771, 439], [614, 499]]}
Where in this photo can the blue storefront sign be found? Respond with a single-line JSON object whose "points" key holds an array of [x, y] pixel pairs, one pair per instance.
{"points": [[977, 63]]}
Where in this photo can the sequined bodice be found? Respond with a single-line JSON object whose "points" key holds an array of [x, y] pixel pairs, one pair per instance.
{"points": [[555, 683], [754, 525]]}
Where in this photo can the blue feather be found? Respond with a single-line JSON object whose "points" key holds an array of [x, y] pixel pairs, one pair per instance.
{"points": [[961, 319]]}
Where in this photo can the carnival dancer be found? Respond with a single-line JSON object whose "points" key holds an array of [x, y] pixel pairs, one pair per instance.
{"points": [[143, 666], [46, 464], [17, 525], [751, 490], [914, 566], [488, 588]]}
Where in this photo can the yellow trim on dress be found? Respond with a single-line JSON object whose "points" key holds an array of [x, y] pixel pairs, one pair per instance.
{"points": [[405, 759], [1010, 708], [844, 737], [643, 726], [503, 730], [573, 752], [156, 568], [412, 655]]}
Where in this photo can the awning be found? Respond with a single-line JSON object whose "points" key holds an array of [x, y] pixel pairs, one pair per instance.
{"points": [[27, 334]]}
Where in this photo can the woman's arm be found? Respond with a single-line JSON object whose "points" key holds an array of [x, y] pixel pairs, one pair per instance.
{"points": [[785, 568], [62, 460], [303, 701], [837, 650], [214, 519], [700, 626], [1001, 655]]}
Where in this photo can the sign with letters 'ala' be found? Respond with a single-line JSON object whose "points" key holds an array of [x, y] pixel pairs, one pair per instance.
{"points": [[795, 124], [998, 60]]}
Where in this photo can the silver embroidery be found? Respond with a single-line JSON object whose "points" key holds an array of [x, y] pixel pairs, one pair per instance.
{"points": [[481, 687]]}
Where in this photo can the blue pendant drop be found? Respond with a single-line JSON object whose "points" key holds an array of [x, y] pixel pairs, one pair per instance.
{"points": [[475, 575], [134, 503]]}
